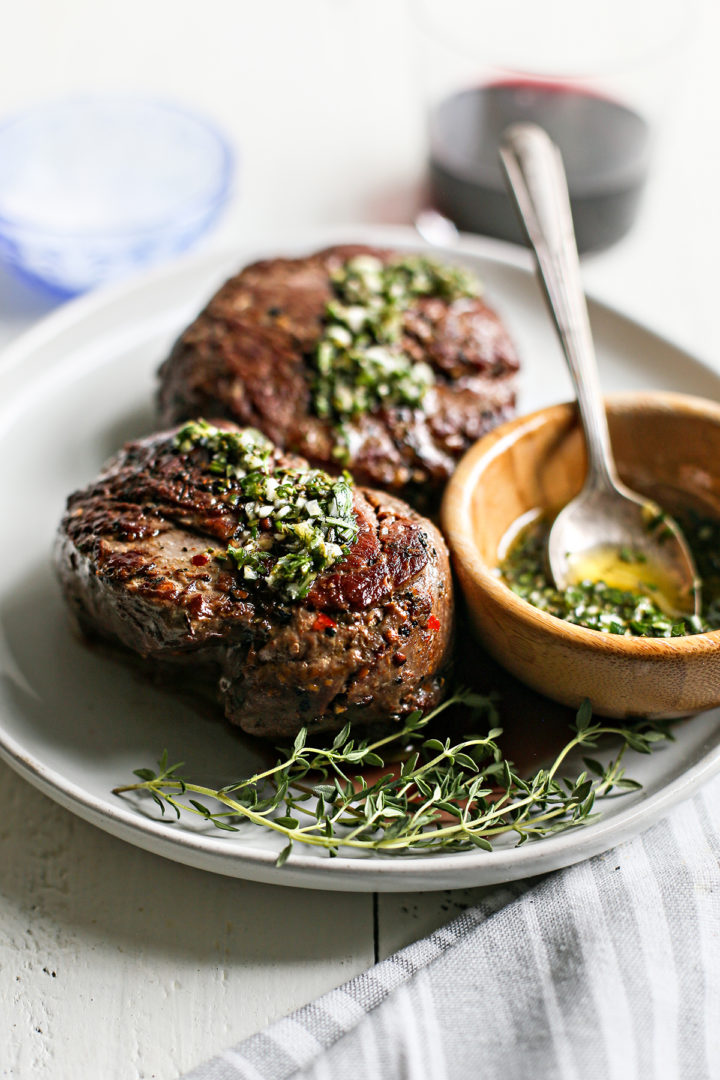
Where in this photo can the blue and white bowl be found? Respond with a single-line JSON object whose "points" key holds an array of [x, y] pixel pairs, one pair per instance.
{"points": [[93, 188]]}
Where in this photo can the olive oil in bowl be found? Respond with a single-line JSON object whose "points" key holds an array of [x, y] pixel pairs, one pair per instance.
{"points": [[615, 591]]}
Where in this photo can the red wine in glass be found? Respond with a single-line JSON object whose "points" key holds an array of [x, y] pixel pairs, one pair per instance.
{"points": [[605, 148]]}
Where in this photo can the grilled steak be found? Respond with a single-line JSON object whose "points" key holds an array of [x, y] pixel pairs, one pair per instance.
{"points": [[364, 634], [253, 356]]}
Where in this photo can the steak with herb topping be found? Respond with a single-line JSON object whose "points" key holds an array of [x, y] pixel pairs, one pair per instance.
{"points": [[352, 357], [364, 635]]}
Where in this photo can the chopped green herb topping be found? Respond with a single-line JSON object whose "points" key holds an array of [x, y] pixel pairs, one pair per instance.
{"points": [[359, 363], [293, 523], [597, 606]]}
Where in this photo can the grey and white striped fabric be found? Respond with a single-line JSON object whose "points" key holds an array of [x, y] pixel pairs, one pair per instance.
{"points": [[607, 969]]}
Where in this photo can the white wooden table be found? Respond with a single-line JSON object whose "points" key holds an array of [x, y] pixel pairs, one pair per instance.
{"points": [[115, 963]]}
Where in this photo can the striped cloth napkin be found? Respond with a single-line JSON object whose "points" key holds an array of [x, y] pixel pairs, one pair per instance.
{"points": [[610, 968]]}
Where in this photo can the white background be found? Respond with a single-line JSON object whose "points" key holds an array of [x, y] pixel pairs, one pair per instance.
{"points": [[114, 963]]}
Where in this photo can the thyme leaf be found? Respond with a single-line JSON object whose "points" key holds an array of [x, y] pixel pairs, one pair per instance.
{"points": [[424, 794]]}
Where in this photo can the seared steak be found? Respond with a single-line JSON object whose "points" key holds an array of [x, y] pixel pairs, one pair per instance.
{"points": [[142, 558], [252, 357]]}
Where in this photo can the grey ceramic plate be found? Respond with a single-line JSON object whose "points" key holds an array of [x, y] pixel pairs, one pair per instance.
{"points": [[75, 723]]}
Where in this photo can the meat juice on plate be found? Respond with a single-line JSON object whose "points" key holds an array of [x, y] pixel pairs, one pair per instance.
{"points": [[605, 147]]}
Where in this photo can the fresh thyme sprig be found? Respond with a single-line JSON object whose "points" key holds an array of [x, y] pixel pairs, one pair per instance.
{"points": [[438, 795]]}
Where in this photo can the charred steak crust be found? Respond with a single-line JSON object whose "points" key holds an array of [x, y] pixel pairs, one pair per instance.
{"points": [[248, 357], [371, 641]]}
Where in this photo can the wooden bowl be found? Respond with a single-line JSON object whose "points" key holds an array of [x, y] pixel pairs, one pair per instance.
{"points": [[667, 446]]}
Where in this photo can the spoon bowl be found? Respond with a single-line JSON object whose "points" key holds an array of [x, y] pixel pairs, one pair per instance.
{"points": [[612, 527]]}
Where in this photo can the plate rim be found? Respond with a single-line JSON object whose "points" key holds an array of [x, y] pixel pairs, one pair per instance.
{"points": [[309, 870]]}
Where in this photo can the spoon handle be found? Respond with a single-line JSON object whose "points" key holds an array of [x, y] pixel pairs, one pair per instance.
{"points": [[536, 177]]}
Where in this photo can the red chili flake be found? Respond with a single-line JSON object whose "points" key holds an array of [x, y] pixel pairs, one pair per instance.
{"points": [[323, 622], [200, 560], [433, 623]]}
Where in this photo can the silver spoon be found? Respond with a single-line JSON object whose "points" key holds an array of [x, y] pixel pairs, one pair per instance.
{"points": [[606, 514]]}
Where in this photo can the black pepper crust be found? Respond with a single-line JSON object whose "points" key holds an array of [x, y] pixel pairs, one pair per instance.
{"points": [[247, 357], [370, 642]]}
